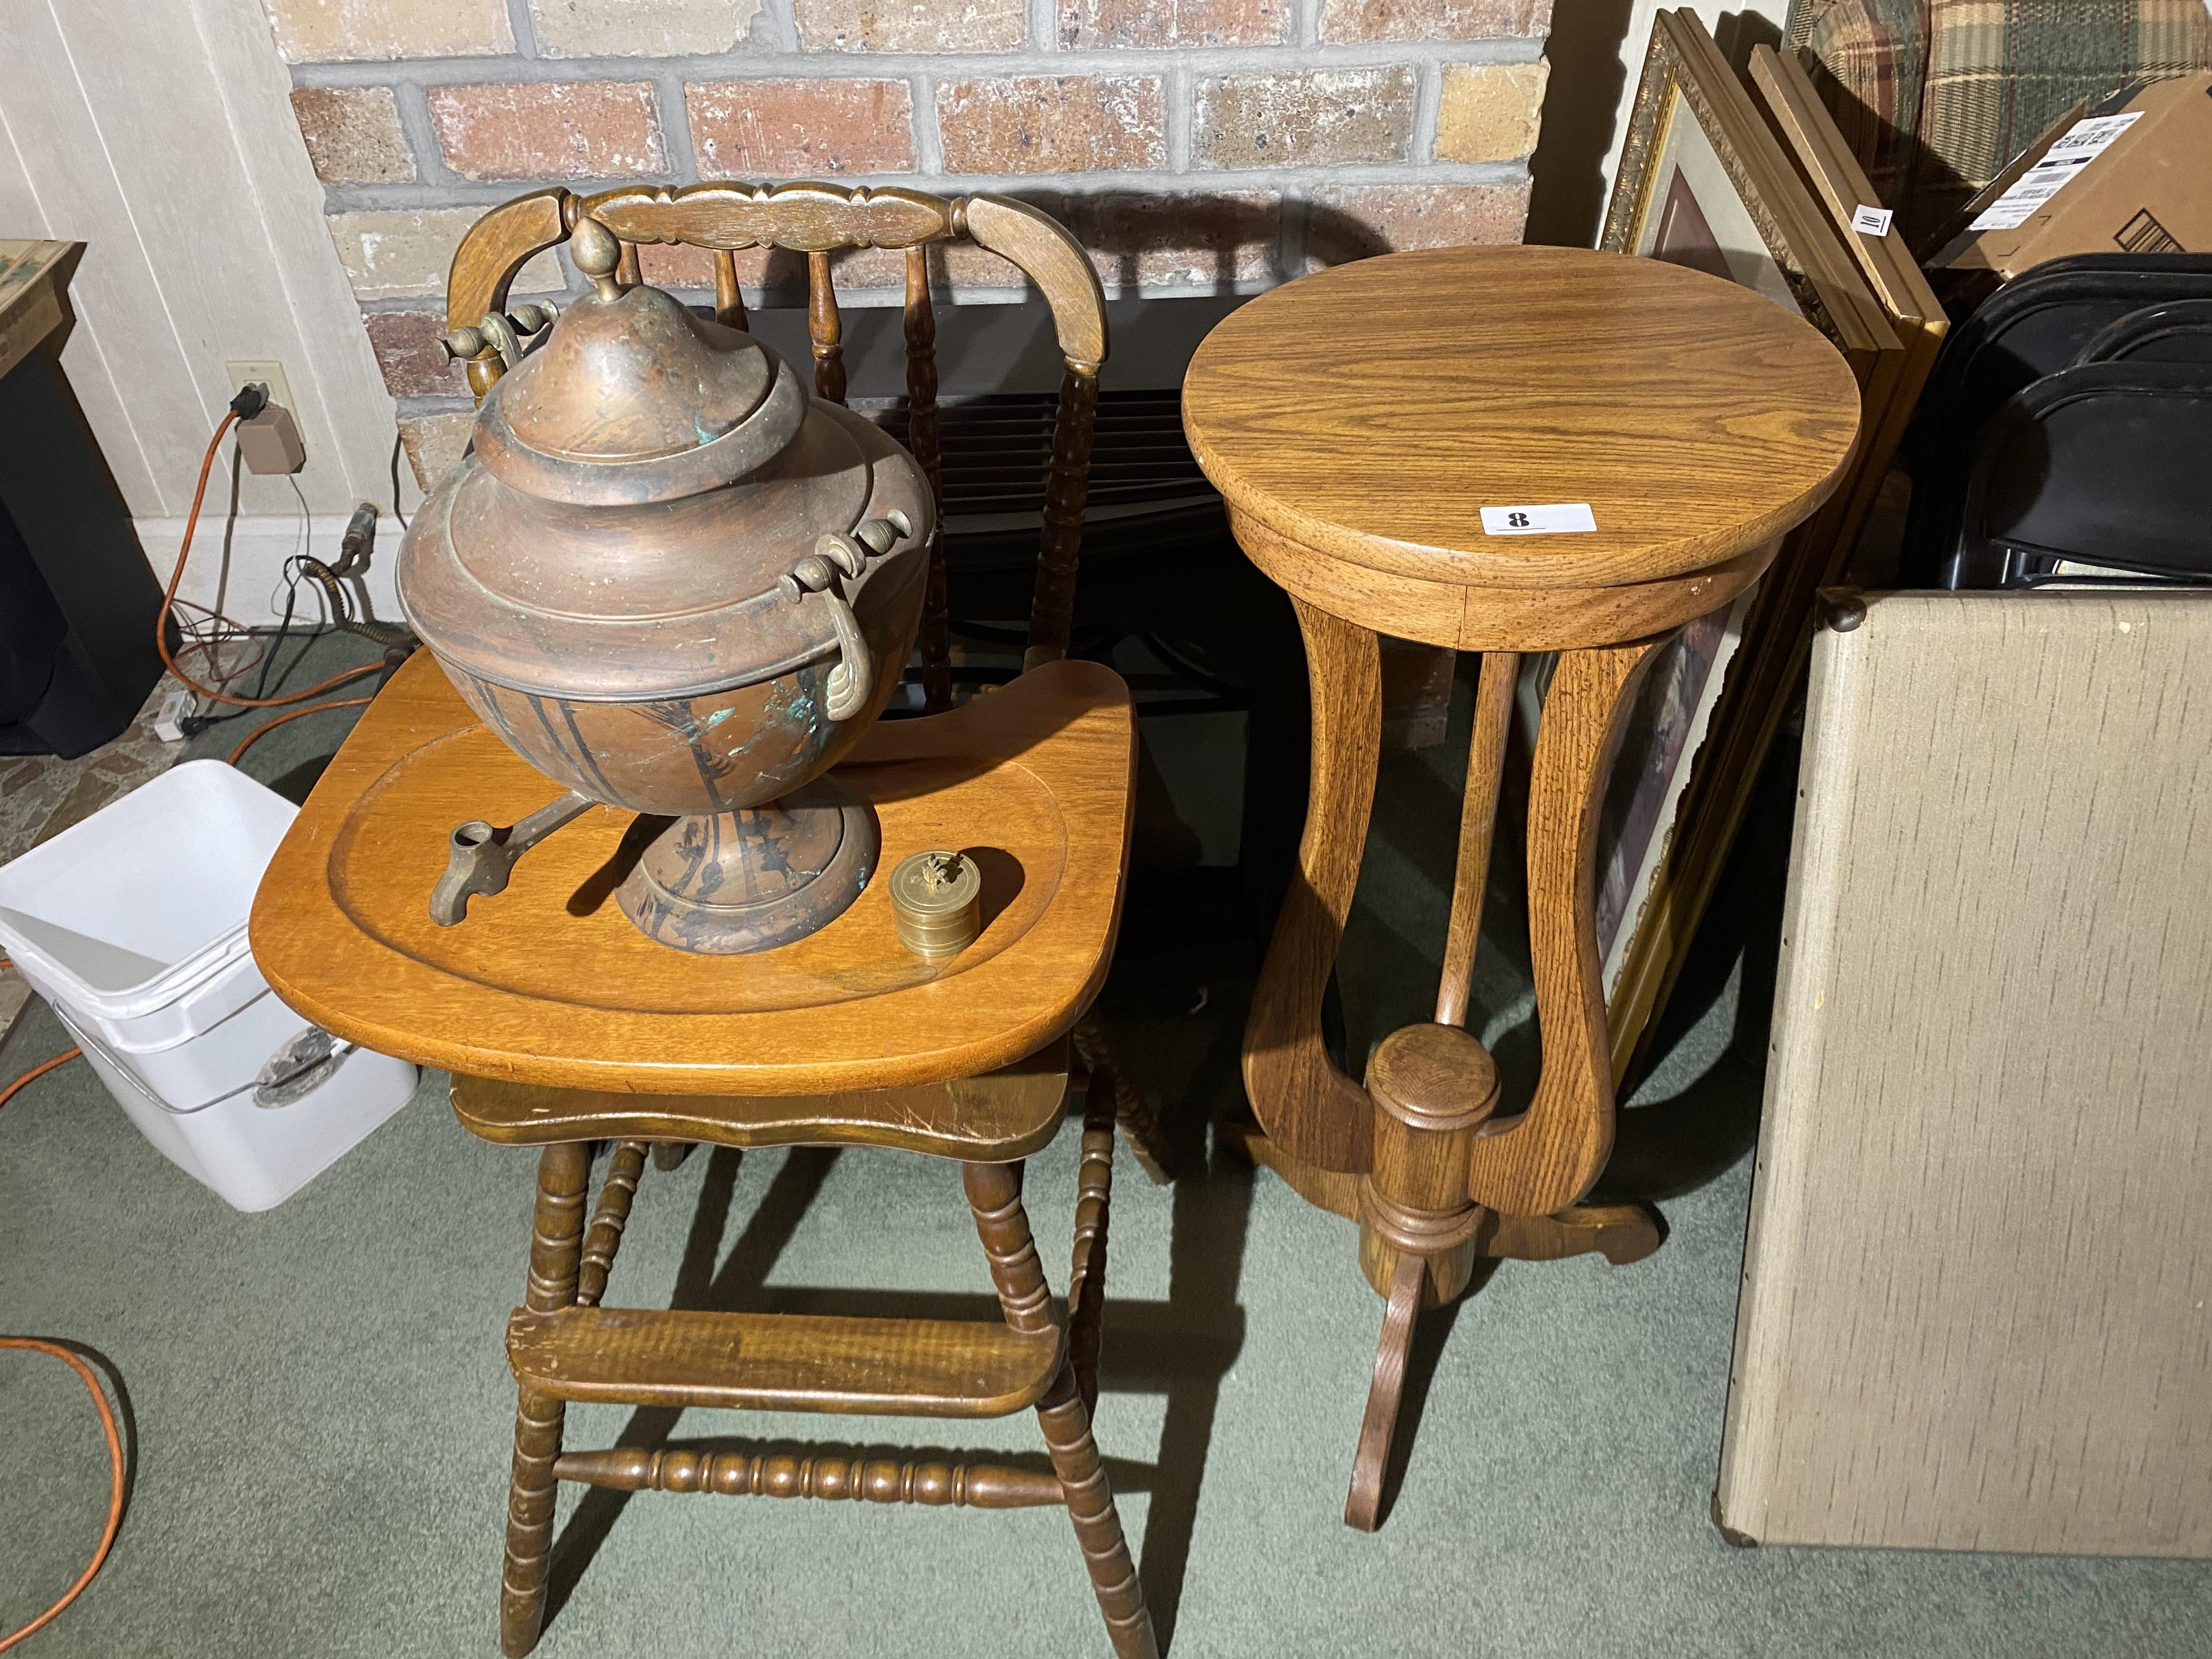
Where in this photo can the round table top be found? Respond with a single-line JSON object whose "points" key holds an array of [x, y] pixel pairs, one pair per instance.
{"points": [[1370, 412]]}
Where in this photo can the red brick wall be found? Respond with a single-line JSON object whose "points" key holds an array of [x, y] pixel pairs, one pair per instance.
{"points": [[1193, 145]]}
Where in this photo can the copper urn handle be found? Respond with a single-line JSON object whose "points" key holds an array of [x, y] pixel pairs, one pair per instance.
{"points": [[853, 680]]}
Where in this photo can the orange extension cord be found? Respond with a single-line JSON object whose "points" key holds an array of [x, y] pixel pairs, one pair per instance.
{"points": [[176, 579], [76, 1363], [37, 1072], [99, 1399], [114, 1458], [261, 732]]}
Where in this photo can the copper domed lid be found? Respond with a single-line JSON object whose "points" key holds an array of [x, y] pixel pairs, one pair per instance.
{"points": [[643, 512], [633, 399]]}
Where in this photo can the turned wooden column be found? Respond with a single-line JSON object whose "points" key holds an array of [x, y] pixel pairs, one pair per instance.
{"points": [[1433, 1086], [1358, 423]]}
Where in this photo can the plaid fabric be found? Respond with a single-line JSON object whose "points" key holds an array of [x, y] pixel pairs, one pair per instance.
{"points": [[1935, 96], [1870, 61]]}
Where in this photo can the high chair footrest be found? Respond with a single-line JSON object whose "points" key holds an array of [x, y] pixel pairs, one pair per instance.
{"points": [[781, 1362]]}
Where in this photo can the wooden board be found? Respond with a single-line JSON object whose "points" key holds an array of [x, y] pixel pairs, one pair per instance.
{"points": [[997, 1118], [1473, 377], [782, 1361], [34, 276], [548, 983], [1974, 1312]]}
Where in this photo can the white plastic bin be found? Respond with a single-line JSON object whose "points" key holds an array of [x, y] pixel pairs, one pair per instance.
{"points": [[132, 924]]}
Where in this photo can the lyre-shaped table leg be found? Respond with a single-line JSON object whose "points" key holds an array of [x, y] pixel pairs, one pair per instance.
{"points": [[1310, 1108], [1435, 1181], [1546, 1159]]}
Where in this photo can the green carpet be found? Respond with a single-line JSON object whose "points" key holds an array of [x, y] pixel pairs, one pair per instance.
{"points": [[321, 1406]]}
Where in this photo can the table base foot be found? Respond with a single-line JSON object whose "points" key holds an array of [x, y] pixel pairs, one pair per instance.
{"points": [[1363, 1506], [1622, 1233]]}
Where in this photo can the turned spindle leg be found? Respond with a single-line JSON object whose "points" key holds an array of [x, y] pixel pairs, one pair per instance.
{"points": [[1094, 1046], [617, 1188], [557, 1237], [994, 1194], [1433, 1086], [1086, 1273]]}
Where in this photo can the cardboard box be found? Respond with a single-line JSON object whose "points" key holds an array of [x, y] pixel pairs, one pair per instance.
{"points": [[2138, 181]]}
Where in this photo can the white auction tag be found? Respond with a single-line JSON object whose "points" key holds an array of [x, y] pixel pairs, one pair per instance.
{"points": [[1556, 519], [1872, 220]]}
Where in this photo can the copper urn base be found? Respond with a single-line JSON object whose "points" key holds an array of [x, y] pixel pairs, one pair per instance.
{"points": [[733, 883]]}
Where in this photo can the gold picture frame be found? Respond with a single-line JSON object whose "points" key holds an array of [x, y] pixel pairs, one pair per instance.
{"points": [[1702, 181], [1782, 82]]}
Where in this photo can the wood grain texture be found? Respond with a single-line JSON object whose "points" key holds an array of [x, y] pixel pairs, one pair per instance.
{"points": [[1518, 619], [1317, 1114], [530, 991], [1973, 1314], [994, 1199], [1433, 1087], [1546, 1158], [1478, 819], [1002, 1115], [1621, 1233], [1052, 258], [808, 218], [1489, 376], [782, 1361]]}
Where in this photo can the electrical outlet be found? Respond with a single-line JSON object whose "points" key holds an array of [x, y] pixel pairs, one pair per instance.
{"points": [[270, 375]]}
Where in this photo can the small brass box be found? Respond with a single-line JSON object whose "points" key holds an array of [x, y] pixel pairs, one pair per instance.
{"points": [[937, 898]]}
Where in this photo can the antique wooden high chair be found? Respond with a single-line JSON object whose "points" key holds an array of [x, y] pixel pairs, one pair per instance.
{"points": [[565, 1027]]}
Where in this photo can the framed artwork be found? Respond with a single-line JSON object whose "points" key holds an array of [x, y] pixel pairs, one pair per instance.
{"points": [[1674, 709], [1703, 182], [1782, 84]]}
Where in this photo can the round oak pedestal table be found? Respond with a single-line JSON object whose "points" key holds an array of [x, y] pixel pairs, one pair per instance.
{"points": [[1641, 436]]}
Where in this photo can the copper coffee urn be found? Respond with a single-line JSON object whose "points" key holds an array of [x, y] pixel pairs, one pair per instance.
{"points": [[675, 583]]}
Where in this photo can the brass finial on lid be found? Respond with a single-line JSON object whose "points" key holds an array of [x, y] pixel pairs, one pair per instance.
{"points": [[596, 251]]}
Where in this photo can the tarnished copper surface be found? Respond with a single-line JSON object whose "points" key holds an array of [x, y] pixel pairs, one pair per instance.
{"points": [[661, 576], [674, 599]]}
